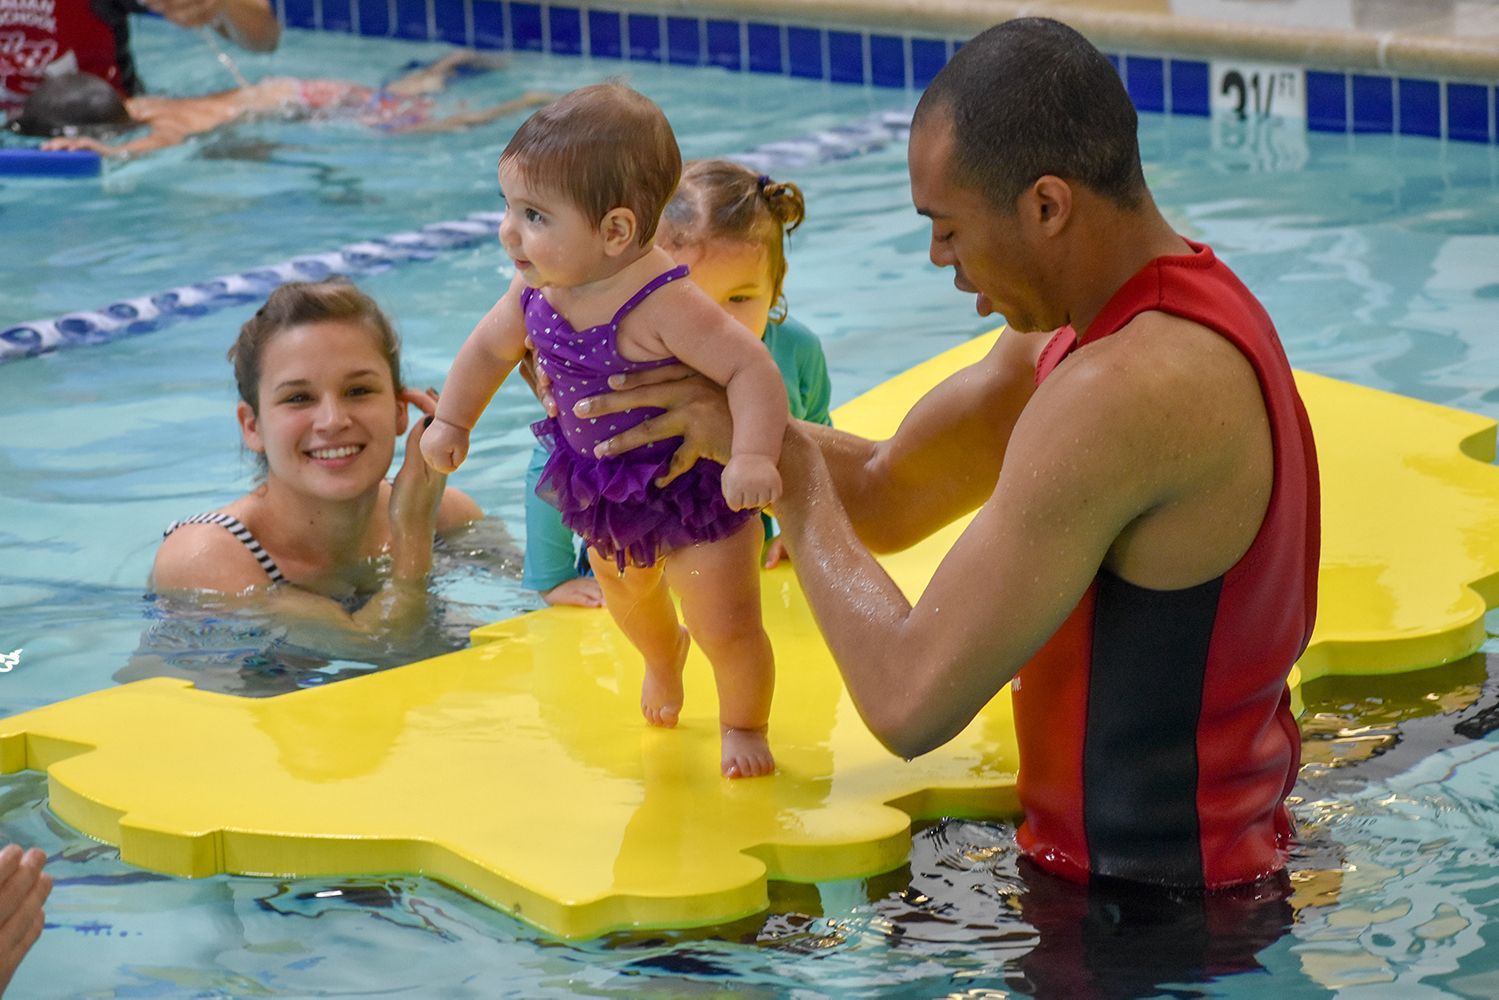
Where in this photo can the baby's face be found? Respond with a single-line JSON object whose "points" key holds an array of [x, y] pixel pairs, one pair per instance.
{"points": [[550, 240], [736, 275]]}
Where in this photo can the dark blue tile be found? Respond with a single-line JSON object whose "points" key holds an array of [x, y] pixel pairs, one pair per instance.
{"points": [[605, 36], [765, 54], [1420, 107], [928, 56], [300, 14], [411, 20], [887, 61], [1145, 76], [724, 45], [338, 15], [1118, 64], [1326, 101], [804, 47], [1190, 88], [1373, 103], [1468, 112], [845, 57], [684, 41], [565, 30], [489, 24], [452, 22], [525, 27], [645, 37]]}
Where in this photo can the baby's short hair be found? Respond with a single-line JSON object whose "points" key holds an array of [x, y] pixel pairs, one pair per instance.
{"points": [[603, 147], [69, 103]]}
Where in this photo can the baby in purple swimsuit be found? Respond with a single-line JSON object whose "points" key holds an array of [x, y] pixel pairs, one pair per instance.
{"points": [[586, 180]]}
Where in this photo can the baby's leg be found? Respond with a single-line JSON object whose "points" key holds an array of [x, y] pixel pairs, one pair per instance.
{"points": [[719, 586], [641, 606]]}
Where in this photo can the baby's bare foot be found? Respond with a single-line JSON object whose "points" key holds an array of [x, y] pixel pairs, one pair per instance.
{"points": [[745, 753], [661, 693]]}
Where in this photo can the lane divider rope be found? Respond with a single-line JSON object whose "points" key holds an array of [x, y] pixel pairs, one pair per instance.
{"points": [[147, 313]]}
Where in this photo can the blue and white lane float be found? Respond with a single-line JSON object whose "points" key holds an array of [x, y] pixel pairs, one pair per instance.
{"points": [[147, 313]]}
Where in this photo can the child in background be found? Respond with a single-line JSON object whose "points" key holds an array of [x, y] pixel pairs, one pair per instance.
{"points": [[585, 181], [729, 225]]}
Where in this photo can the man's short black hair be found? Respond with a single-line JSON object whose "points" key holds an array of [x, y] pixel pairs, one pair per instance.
{"points": [[70, 103], [1030, 97]]}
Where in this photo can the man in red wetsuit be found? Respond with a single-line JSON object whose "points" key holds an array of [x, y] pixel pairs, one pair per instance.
{"points": [[40, 38], [1143, 559]]}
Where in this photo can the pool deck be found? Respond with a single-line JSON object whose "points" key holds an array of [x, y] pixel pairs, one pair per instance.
{"points": [[1455, 39]]}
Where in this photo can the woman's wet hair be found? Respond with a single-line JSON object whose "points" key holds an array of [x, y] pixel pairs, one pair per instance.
{"points": [[1030, 97], [298, 303], [724, 200], [602, 147], [72, 104]]}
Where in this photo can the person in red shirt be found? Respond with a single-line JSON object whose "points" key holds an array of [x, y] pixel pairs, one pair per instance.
{"points": [[41, 38]]}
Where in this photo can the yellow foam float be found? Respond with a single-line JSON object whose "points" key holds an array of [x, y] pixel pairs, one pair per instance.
{"points": [[519, 770]]}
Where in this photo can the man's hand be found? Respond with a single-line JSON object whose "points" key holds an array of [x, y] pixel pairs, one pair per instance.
{"points": [[751, 482], [444, 445], [696, 408], [541, 386]]}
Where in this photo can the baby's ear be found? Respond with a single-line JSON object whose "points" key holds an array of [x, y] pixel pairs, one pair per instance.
{"points": [[618, 228]]}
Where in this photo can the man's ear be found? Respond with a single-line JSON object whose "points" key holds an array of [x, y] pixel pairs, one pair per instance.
{"points": [[1048, 202], [249, 427], [619, 228]]}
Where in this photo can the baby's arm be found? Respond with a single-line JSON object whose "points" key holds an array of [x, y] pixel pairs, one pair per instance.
{"points": [[693, 328], [486, 357]]}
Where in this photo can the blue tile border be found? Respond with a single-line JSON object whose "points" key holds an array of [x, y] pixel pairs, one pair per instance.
{"points": [[767, 48], [526, 34], [644, 31], [725, 45], [684, 41], [450, 18], [565, 30], [606, 37], [804, 47], [1336, 101]]}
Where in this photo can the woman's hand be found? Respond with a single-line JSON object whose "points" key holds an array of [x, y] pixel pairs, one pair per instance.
{"points": [[696, 408], [414, 498]]}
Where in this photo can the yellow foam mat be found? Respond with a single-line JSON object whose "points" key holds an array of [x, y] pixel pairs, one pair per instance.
{"points": [[521, 771]]}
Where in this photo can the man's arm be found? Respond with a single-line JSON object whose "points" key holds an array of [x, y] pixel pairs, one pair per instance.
{"points": [[1133, 455], [941, 463]]}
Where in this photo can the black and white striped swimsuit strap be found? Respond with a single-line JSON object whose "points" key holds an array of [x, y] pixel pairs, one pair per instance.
{"points": [[237, 528]]}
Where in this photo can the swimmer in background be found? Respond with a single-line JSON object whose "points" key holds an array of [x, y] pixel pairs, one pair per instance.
{"points": [[77, 101], [585, 181], [730, 226]]}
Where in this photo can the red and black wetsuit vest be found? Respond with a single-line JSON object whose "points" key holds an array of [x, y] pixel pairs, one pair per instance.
{"points": [[91, 36], [1155, 730]]}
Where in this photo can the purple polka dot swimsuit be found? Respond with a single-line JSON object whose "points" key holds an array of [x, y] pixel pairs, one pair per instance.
{"points": [[613, 502]]}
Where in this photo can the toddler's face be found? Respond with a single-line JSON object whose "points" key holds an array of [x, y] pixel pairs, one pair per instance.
{"points": [[549, 238], [734, 274]]}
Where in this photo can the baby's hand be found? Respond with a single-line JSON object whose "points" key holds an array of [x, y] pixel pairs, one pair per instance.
{"points": [[444, 445], [751, 481]]}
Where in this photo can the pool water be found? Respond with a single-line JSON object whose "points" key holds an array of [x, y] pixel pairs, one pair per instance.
{"points": [[1378, 257]]}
